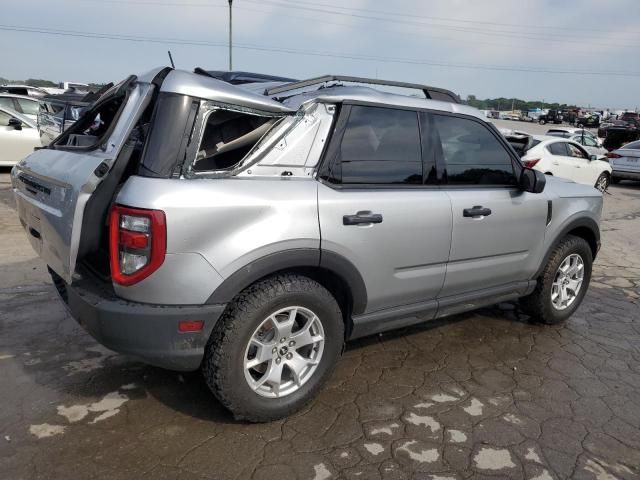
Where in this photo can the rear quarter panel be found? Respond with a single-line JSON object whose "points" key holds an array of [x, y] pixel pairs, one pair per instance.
{"points": [[220, 225]]}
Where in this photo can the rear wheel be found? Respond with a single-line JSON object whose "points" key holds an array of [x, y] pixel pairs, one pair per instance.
{"points": [[275, 346], [603, 182], [563, 283]]}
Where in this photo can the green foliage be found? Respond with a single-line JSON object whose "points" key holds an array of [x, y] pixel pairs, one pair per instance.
{"points": [[37, 82], [518, 104]]}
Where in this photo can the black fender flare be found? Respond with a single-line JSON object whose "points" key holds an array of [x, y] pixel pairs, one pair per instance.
{"points": [[583, 222], [293, 259]]}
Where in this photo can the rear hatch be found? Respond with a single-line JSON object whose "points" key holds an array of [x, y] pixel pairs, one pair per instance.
{"points": [[52, 185]]}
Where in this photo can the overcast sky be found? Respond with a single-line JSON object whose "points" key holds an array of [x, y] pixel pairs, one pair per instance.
{"points": [[489, 48]]}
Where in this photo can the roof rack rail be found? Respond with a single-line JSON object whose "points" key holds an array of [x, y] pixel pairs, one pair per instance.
{"points": [[432, 93], [238, 78]]}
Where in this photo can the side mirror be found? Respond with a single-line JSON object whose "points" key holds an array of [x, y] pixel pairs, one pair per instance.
{"points": [[593, 157], [15, 123], [532, 181]]}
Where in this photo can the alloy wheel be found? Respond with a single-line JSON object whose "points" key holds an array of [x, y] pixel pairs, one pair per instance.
{"points": [[567, 282], [284, 352], [602, 183]]}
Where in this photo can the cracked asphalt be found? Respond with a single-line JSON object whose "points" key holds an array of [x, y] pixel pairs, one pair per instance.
{"points": [[481, 395]]}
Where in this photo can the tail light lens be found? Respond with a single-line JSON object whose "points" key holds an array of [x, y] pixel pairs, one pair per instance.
{"points": [[530, 163], [137, 243], [612, 155]]}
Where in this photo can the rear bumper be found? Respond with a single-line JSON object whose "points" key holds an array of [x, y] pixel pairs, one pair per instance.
{"points": [[625, 175], [147, 331]]}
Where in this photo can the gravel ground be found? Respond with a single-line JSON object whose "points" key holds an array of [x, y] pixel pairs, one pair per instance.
{"points": [[481, 395]]}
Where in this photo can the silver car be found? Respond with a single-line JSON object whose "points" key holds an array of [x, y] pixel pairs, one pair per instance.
{"points": [[250, 230], [625, 162]]}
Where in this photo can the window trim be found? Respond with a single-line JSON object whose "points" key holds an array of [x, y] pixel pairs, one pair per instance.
{"points": [[547, 146], [516, 165], [330, 155], [342, 116]]}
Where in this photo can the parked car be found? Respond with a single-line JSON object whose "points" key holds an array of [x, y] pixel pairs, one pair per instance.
{"points": [[202, 225], [590, 144], [625, 162], [631, 118], [25, 90], [615, 136], [18, 137], [552, 116], [568, 132], [564, 158], [27, 106], [588, 121], [57, 113]]}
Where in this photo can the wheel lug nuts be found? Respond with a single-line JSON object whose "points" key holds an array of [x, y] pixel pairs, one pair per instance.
{"points": [[282, 340], [289, 356], [274, 350], [292, 343], [278, 360]]}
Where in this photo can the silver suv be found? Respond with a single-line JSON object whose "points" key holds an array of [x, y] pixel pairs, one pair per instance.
{"points": [[250, 229]]}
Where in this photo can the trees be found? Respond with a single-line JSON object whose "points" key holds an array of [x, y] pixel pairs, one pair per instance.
{"points": [[518, 104]]}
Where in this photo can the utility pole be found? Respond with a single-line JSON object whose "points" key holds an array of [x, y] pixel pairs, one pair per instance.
{"points": [[230, 35]]}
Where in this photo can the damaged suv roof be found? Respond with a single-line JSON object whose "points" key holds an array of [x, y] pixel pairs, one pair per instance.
{"points": [[253, 95]]}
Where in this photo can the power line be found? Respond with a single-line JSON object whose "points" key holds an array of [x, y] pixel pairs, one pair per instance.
{"points": [[262, 48], [550, 38], [555, 38], [449, 19]]}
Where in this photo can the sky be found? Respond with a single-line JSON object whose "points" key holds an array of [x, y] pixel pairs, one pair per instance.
{"points": [[581, 52]]}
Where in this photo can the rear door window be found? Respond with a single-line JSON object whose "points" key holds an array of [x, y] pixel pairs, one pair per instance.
{"points": [[472, 153], [380, 146], [577, 152], [7, 102], [28, 107], [559, 149]]}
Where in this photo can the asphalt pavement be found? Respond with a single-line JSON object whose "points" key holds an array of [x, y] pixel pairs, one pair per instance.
{"points": [[482, 395]]}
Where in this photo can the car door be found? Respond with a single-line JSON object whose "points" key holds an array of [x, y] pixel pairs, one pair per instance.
{"points": [[561, 159], [381, 210], [586, 171], [15, 143], [498, 229]]}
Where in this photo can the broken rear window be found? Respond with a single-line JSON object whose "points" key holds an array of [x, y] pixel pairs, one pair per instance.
{"points": [[94, 126], [228, 136]]}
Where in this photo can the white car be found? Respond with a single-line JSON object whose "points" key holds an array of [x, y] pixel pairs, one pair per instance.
{"points": [[590, 144], [625, 162], [27, 106], [18, 137], [562, 157], [566, 132]]}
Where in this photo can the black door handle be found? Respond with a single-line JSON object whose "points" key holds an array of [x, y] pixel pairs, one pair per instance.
{"points": [[361, 218], [477, 211]]}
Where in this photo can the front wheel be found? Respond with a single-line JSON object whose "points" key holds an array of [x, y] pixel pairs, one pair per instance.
{"points": [[563, 283], [602, 183], [274, 347]]}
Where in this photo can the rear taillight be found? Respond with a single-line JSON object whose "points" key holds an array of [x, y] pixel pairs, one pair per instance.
{"points": [[530, 163], [612, 155], [137, 243]]}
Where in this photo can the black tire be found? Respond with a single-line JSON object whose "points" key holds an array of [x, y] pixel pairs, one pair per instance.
{"points": [[607, 178], [542, 122], [223, 363], [538, 304]]}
